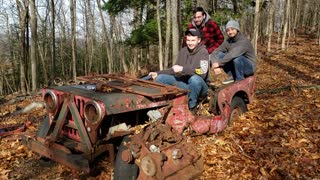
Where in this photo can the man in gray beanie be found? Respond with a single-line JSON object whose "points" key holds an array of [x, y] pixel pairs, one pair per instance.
{"points": [[236, 55]]}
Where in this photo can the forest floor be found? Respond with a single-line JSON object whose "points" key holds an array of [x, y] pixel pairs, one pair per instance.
{"points": [[278, 138]]}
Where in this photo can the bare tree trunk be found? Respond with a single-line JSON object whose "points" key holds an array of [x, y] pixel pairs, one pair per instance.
{"points": [[23, 13], [282, 17], [285, 27], [42, 46], [296, 16], [118, 29], [113, 26], [315, 16], [270, 24], [256, 26], [236, 8], [107, 39], [305, 14], [175, 31], [63, 43], [53, 44], [289, 25], [73, 37], [168, 34], [90, 35], [87, 63], [214, 6], [319, 33], [122, 58], [160, 52], [43, 54], [34, 40], [2, 74], [11, 55]]}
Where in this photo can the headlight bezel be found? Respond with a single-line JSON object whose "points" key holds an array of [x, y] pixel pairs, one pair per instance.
{"points": [[88, 110], [50, 104]]}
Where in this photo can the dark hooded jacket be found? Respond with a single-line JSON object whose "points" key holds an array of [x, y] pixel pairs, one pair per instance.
{"points": [[235, 47], [195, 62]]}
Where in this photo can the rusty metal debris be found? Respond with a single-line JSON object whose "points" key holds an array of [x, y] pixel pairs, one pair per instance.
{"points": [[162, 153], [14, 129], [93, 114]]}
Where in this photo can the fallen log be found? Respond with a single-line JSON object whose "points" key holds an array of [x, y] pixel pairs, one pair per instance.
{"points": [[29, 108]]}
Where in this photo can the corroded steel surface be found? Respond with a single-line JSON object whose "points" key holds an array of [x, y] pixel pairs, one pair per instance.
{"points": [[58, 153], [160, 150], [14, 129], [113, 82], [122, 93], [162, 153], [181, 118]]}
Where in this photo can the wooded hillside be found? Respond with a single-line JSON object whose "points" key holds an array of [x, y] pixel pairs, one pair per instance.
{"points": [[278, 138], [42, 40]]}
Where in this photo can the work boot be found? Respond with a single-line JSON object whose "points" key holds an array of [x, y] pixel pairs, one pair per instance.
{"points": [[228, 80]]}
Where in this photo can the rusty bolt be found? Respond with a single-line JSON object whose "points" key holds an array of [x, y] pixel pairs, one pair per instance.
{"points": [[126, 156], [176, 154]]}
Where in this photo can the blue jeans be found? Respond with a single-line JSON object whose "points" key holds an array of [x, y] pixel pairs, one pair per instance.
{"points": [[240, 67], [195, 84]]}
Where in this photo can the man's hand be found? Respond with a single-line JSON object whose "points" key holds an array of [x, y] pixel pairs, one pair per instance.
{"points": [[177, 68], [215, 65], [153, 75], [217, 71]]}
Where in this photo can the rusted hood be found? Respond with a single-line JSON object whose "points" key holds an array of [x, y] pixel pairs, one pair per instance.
{"points": [[116, 101]]}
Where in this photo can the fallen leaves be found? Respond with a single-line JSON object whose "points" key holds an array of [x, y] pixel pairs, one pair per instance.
{"points": [[278, 138]]}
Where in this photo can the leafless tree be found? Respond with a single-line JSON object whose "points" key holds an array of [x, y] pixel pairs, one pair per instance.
{"points": [[168, 34], [256, 26], [159, 36], [270, 24], [23, 16], [286, 24], [33, 47], [175, 31], [73, 37]]}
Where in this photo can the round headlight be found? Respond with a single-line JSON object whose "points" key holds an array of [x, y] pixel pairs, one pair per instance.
{"points": [[92, 111], [50, 100]]}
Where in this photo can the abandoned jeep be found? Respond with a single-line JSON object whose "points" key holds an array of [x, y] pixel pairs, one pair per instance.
{"points": [[137, 124]]}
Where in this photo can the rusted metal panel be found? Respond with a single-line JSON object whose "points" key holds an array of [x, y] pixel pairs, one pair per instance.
{"points": [[161, 153], [109, 82], [58, 153], [160, 150], [118, 102], [14, 129]]}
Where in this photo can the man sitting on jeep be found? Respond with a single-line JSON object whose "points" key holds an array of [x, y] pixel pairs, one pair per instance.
{"points": [[235, 55], [190, 70]]}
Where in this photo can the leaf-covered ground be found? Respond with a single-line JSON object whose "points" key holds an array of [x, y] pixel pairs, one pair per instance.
{"points": [[278, 138]]}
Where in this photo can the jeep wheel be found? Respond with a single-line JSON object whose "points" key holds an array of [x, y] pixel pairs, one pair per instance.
{"points": [[238, 107], [122, 169]]}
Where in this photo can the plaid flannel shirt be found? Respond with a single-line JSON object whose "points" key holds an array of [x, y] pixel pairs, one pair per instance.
{"points": [[212, 36]]}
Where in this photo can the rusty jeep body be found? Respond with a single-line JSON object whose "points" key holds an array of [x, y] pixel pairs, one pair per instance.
{"points": [[100, 115]]}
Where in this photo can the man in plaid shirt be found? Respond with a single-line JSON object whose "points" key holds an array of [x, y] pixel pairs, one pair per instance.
{"points": [[212, 36]]}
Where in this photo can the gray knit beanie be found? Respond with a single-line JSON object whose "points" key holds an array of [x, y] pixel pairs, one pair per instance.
{"points": [[233, 24]]}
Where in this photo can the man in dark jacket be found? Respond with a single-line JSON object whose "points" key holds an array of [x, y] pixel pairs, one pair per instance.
{"points": [[212, 36], [236, 55], [190, 70]]}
